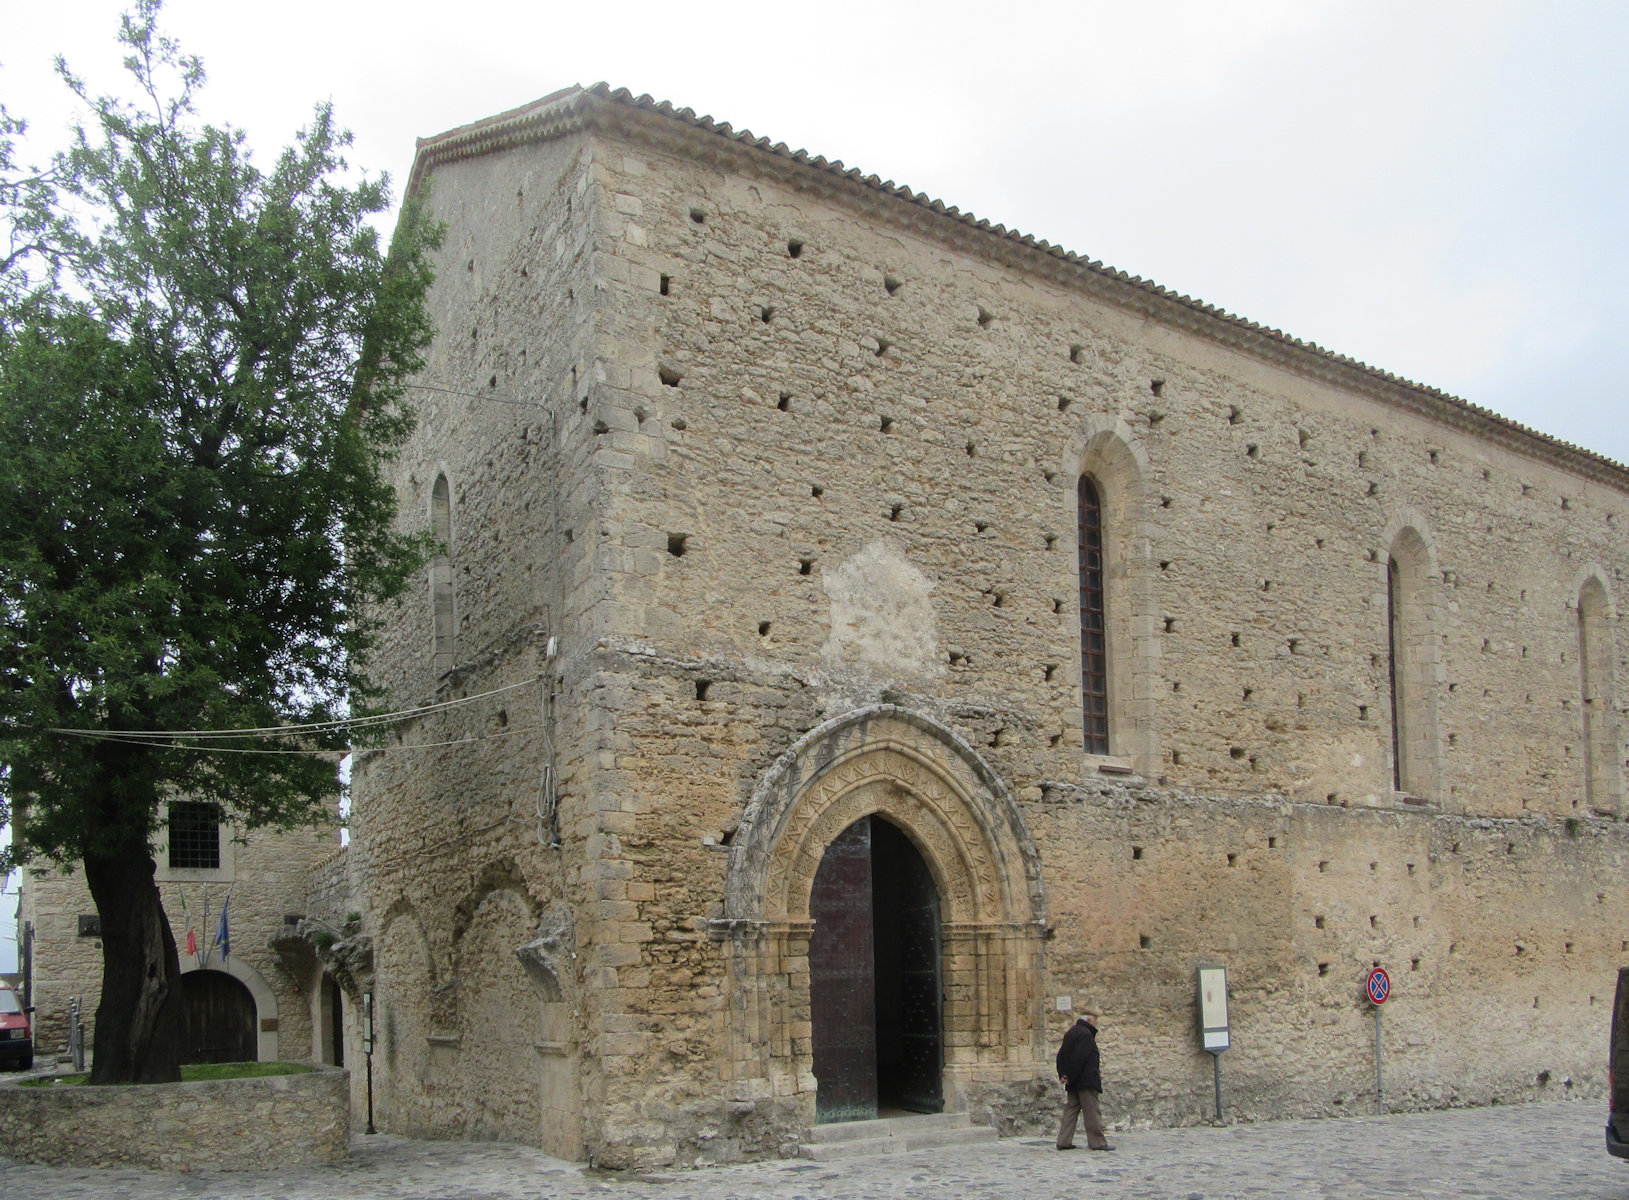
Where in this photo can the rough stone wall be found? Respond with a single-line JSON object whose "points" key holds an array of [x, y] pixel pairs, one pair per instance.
{"points": [[872, 451], [942, 407], [224, 1125], [810, 449], [464, 843], [266, 878], [1500, 935], [331, 889]]}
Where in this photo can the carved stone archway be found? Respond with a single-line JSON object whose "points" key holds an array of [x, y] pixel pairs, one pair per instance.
{"points": [[930, 783]]}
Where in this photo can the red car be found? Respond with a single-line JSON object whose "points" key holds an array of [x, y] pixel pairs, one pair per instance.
{"points": [[16, 1037]]}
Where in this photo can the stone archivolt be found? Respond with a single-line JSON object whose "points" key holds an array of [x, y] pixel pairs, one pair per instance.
{"points": [[904, 767]]}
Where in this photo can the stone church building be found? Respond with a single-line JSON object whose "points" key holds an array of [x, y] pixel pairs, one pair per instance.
{"points": [[864, 635]]}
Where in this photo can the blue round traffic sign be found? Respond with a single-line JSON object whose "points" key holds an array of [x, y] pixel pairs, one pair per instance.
{"points": [[1378, 985]]}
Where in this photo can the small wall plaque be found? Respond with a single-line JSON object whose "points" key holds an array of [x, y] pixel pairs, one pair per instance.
{"points": [[90, 925], [1213, 1023]]}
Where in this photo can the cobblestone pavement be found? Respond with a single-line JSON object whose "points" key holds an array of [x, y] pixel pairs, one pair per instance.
{"points": [[1553, 1151]]}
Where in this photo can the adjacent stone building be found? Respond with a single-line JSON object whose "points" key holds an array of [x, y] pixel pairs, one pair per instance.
{"points": [[269, 999], [864, 634]]}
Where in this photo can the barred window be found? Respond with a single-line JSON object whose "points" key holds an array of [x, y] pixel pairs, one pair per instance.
{"points": [[1394, 658], [1094, 656], [443, 621], [195, 836]]}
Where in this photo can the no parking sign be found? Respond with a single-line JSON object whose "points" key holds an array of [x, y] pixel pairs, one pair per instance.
{"points": [[1378, 985]]}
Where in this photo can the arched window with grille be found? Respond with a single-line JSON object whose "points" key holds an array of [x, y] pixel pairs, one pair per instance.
{"points": [[1394, 660], [1094, 650], [441, 576]]}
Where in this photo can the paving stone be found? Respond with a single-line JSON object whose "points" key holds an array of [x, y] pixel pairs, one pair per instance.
{"points": [[1555, 1151]]}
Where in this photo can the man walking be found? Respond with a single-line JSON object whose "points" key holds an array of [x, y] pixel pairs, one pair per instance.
{"points": [[1082, 1082]]}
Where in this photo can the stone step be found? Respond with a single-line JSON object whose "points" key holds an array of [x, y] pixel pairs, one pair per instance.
{"points": [[894, 1135]]}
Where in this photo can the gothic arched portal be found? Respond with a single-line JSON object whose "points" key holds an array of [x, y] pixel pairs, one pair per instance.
{"points": [[938, 804]]}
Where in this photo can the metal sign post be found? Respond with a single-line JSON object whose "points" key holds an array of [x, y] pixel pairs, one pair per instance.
{"points": [[1378, 988], [367, 1049], [1214, 1033], [76, 1034]]}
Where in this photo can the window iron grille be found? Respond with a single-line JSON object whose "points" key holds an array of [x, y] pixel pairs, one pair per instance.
{"points": [[195, 836], [1094, 655]]}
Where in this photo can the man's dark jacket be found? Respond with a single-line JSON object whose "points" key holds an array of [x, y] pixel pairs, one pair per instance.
{"points": [[1077, 1058]]}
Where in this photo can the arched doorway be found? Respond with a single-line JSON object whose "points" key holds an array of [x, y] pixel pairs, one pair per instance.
{"points": [[218, 1019], [874, 976], [907, 776]]}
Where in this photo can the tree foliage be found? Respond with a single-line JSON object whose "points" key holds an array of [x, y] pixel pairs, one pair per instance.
{"points": [[201, 368]]}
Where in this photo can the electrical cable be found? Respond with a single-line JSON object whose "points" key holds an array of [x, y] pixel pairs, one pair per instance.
{"points": [[152, 736], [171, 745]]}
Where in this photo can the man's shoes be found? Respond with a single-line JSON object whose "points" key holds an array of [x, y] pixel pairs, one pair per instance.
{"points": [[1068, 1147], [1102, 1147]]}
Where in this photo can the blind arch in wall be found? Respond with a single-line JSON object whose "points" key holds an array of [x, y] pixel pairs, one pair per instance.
{"points": [[1413, 660], [1603, 784]]}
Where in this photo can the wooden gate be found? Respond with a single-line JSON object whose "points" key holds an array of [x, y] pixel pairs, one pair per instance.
{"points": [[217, 1019]]}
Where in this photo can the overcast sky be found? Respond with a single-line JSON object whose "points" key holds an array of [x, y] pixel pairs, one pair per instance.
{"points": [[1437, 189]]}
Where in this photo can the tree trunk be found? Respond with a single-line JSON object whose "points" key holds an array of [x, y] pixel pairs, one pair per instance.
{"points": [[138, 1026]]}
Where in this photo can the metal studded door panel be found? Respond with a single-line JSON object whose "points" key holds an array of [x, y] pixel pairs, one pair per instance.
{"points": [[908, 944], [842, 980]]}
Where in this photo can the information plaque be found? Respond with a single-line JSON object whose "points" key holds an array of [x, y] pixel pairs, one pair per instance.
{"points": [[1213, 1024]]}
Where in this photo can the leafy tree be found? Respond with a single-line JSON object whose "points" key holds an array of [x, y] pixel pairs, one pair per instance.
{"points": [[201, 369]]}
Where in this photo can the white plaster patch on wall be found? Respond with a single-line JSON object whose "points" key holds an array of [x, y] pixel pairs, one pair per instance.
{"points": [[882, 618]]}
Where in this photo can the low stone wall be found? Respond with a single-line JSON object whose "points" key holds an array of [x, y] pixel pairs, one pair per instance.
{"points": [[229, 1125]]}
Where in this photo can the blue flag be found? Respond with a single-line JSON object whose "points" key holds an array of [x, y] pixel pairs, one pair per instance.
{"points": [[222, 937]]}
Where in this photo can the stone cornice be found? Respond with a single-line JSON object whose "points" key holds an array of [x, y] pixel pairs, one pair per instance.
{"points": [[682, 132]]}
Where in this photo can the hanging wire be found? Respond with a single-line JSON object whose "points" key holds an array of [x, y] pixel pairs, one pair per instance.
{"points": [[172, 745], [160, 736]]}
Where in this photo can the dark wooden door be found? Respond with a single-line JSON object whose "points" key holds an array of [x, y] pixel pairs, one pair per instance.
{"points": [[906, 906], [336, 1021], [842, 980], [217, 1019], [874, 977]]}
